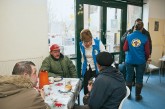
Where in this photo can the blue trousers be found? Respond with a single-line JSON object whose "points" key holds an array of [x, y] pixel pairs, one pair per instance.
{"points": [[122, 69], [139, 71]]}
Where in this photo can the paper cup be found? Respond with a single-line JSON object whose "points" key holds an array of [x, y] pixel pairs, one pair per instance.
{"points": [[51, 79]]}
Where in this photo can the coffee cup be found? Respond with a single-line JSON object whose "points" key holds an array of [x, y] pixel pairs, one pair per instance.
{"points": [[51, 79]]}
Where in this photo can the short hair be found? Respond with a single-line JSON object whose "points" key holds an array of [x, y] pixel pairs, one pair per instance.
{"points": [[85, 34], [139, 25], [23, 67], [138, 19], [104, 59]]}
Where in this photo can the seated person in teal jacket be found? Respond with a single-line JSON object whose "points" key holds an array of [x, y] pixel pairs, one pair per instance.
{"points": [[58, 65]]}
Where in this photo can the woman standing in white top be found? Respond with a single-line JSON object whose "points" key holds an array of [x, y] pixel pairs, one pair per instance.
{"points": [[89, 48]]}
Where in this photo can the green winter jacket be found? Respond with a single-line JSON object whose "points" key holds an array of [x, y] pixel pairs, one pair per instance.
{"points": [[62, 67]]}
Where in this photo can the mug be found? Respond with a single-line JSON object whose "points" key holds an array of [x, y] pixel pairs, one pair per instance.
{"points": [[51, 79]]}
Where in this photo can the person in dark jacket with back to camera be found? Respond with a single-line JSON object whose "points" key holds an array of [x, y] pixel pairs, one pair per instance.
{"points": [[109, 87], [58, 65]]}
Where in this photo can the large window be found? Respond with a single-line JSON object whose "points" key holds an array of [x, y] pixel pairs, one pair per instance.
{"points": [[62, 25], [113, 29], [133, 12], [92, 19]]}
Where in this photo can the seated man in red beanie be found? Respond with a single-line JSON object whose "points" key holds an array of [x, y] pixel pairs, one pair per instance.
{"points": [[58, 65], [109, 87]]}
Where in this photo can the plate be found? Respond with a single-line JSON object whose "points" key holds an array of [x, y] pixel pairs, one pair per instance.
{"points": [[56, 79]]}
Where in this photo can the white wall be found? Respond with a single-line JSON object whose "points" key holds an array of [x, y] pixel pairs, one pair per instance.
{"points": [[156, 12], [153, 9], [157, 9], [145, 14], [23, 29]]}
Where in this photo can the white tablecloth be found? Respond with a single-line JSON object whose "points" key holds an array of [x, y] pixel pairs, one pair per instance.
{"points": [[57, 98]]}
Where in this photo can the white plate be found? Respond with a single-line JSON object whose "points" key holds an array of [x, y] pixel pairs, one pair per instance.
{"points": [[57, 79]]}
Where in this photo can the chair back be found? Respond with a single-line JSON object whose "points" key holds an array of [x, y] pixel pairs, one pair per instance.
{"points": [[127, 94], [150, 68]]}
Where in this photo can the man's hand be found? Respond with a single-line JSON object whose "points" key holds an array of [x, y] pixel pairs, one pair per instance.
{"points": [[42, 93]]}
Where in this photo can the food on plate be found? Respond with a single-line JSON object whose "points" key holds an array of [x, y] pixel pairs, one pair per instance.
{"points": [[57, 79], [68, 87]]}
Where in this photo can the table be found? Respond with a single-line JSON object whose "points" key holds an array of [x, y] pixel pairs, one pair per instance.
{"points": [[162, 64], [57, 98]]}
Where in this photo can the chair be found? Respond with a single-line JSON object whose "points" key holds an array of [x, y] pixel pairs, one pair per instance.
{"points": [[152, 67], [162, 65], [127, 94]]}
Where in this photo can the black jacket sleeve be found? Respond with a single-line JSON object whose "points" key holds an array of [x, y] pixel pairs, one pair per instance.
{"points": [[145, 32]]}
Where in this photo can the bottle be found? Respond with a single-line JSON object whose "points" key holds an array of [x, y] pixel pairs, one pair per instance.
{"points": [[43, 78]]}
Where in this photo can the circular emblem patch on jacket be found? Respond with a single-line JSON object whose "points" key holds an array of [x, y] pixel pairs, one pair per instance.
{"points": [[136, 42]]}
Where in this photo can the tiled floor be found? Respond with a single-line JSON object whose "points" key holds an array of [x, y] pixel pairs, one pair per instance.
{"points": [[153, 93]]}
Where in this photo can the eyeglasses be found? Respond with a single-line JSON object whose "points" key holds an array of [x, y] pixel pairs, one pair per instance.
{"points": [[87, 42]]}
